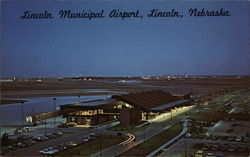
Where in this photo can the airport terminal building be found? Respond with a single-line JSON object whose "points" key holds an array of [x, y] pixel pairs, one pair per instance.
{"points": [[129, 109]]}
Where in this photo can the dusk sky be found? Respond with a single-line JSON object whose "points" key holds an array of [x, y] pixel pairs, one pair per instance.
{"points": [[129, 47]]}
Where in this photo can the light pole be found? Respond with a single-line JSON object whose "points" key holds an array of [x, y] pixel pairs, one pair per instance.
{"points": [[185, 146], [171, 116], [189, 110], [90, 141], [54, 99], [78, 99], [22, 115], [45, 131], [144, 134], [100, 143]]}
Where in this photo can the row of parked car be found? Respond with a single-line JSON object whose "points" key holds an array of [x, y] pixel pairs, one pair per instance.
{"points": [[26, 140], [73, 143], [213, 137], [240, 148]]}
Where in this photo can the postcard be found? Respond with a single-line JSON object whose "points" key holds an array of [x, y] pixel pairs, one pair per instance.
{"points": [[125, 78]]}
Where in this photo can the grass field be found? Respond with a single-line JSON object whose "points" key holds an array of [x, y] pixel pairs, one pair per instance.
{"points": [[153, 143], [209, 115]]}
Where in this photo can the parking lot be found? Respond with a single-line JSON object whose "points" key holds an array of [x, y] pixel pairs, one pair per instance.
{"points": [[216, 146], [31, 145]]}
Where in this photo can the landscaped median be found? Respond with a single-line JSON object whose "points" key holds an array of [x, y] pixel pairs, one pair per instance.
{"points": [[156, 141], [128, 129]]}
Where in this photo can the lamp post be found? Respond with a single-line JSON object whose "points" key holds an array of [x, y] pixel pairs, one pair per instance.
{"points": [[144, 134], [78, 99], [22, 115], [185, 146], [90, 131], [171, 116], [100, 143], [45, 131], [54, 99]]}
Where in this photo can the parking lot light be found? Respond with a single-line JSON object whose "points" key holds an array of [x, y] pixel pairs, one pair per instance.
{"points": [[22, 116], [54, 99]]}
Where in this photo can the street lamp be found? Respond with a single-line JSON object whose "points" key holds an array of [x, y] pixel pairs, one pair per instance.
{"points": [[144, 133], [78, 99], [100, 143], [171, 115], [90, 131], [54, 110], [22, 115], [185, 146], [45, 131]]}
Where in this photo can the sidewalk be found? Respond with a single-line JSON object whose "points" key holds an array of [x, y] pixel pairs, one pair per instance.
{"points": [[184, 130]]}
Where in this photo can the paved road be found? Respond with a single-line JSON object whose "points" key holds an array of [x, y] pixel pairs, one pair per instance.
{"points": [[156, 126]]}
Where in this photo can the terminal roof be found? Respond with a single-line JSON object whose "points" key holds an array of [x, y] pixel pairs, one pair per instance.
{"points": [[150, 99], [95, 102]]}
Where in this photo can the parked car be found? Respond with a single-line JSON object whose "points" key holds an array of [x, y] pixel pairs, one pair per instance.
{"points": [[214, 137], [220, 155], [44, 138], [230, 138], [188, 135], [199, 153], [31, 141], [242, 149], [27, 143], [21, 144], [238, 138], [215, 147], [223, 147], [51, 136], [49, 151], [92, 134], [62, 146], [36, 138], [85, 139], [72, 144], [207, 146], [210, 155], [77, 141], [231, 148], [245, 139], [59, 133]]}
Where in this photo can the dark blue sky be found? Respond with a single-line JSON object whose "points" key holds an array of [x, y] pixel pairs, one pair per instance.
{"points": [[130, 47]]}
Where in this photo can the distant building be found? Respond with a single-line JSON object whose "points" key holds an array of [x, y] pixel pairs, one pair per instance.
{"points": [[6, 80]]}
